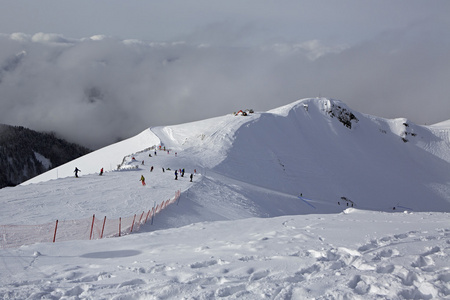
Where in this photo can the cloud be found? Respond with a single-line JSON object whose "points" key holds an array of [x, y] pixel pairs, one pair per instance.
{"points": [[98, 90], [313, 49], [50, 38]]}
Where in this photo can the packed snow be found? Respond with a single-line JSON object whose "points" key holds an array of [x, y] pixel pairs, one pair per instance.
{"points": [[307, 201]]}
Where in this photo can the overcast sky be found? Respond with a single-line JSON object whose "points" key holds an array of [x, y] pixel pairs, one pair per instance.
{"points": [[99, 71]]}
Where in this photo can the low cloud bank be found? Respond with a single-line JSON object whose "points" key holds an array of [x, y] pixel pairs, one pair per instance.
{"points": [[96, 91]]}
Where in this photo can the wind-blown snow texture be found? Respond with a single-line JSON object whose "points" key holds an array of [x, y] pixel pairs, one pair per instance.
{"points": [[240, 229]]}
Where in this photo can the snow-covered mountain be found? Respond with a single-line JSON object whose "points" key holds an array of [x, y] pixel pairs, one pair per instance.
{"points": [[313, 170], [319, 148]]}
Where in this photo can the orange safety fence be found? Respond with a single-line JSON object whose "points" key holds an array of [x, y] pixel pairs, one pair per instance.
{"points": [[82, 229]]}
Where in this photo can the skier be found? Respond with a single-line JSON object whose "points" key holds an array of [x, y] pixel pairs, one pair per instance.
{"points": [[76, 171], [176, 175], [101, 172], [142, 179], [182, 173], [151, 169], [163, 170], [192, 176]]}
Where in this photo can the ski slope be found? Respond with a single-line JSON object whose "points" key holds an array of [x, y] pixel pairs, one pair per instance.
{"points": [[241, 228]]}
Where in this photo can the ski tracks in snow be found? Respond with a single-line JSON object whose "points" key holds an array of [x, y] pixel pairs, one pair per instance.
{"points": [[273, 193]]}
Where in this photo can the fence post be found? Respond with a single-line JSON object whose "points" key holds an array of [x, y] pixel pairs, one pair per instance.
{"points": [[139, 222], [131, 230], [92, 226], [147, 217], [153, 212], [103, 228], [54, 235], [140, 219], [178, 196]]}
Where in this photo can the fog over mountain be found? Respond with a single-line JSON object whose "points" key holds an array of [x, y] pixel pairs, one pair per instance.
{"points": [[72, 67], [98, 90]]}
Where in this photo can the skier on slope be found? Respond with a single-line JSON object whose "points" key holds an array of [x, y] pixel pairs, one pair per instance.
{"points": [[142, 179], [176, 175], [76, 171]]}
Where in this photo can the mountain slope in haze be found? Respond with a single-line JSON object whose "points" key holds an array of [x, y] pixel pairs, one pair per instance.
{"points": [[258, 165], [25, 153]]}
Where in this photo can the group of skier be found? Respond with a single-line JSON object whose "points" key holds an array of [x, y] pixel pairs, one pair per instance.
{"points": [[181, 172], [142, 179]]}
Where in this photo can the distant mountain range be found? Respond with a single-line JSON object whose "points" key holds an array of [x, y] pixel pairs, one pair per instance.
{"points": [[26, 153]]}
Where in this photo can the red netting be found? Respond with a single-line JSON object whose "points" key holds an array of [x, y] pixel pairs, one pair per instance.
{"points": [[81, 229]]}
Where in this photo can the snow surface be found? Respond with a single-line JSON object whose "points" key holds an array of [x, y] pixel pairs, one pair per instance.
{"points": [[241, 229]]}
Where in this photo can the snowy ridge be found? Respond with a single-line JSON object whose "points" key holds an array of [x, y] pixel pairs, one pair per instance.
{"points": [[263, 218]]}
